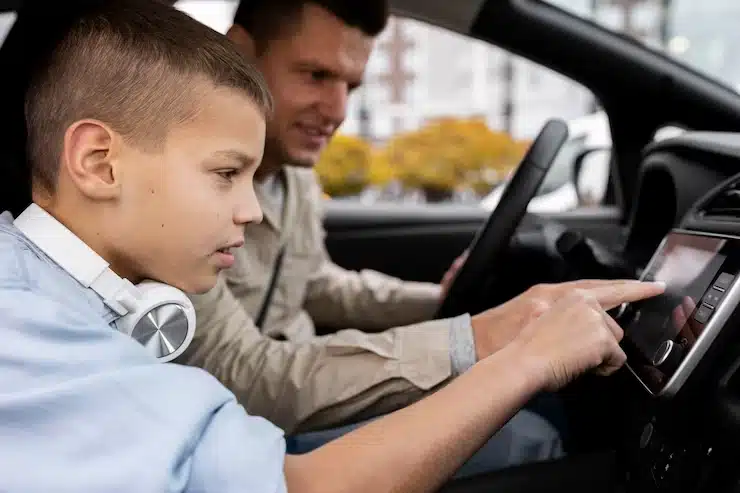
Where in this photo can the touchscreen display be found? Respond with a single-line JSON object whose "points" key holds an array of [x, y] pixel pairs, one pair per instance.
{"points": [[661, 330]]}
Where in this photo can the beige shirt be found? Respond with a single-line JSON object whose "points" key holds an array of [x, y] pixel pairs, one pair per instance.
{"points": [[286, 373]]}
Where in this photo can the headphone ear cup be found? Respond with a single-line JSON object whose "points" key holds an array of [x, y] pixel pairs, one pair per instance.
{"points": [[163, 321]]}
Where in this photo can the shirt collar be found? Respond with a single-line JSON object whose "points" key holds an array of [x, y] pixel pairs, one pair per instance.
{"points": [[95, 301]]}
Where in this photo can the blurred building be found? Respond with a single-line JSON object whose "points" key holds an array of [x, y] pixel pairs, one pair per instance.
{"points": [[419, 72], [704, 35]]}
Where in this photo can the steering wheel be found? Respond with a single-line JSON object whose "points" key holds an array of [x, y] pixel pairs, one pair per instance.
{"points": [[486, 250]]}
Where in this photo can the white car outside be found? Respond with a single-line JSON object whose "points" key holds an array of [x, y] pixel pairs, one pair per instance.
{"points": [[558, 190]]}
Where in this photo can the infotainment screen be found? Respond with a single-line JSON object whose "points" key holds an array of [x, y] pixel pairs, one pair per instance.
{"points": [[666, 336]]}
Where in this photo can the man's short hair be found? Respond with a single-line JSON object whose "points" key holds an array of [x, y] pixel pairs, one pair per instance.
{"points": [[265, 20], [134, 65]]}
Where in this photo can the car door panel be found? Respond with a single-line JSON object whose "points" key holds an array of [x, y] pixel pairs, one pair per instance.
{"points": [[418, 242], [602, 224], [413, 243]]}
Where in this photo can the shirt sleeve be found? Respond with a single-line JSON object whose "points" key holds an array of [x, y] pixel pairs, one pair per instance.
{"points": [[322, 382], [238, 453], [370, 300], [462, 345], [339, 298]]}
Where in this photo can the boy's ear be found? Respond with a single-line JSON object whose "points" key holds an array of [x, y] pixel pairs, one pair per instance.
{"points": [[243, 40], [88, 159]]}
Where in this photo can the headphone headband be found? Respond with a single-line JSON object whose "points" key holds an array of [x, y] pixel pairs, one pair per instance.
{"points": [[77, 258], [158, 316]]}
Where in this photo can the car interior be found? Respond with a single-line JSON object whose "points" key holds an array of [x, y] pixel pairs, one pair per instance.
{"points": [[670, 419]]}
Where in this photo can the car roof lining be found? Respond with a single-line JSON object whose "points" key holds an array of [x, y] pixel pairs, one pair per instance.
{"points": [[457, 15], [9, 5]]}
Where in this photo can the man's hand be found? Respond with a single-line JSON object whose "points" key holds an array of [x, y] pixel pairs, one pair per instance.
{"points": [[497, 327], [576, 334], [451, 273]]}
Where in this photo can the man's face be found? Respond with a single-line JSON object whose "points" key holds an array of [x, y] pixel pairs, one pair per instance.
{"points": [[179, 207], [311, 70]]}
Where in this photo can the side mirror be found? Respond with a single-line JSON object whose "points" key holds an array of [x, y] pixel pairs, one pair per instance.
{"points": [[591, 174]]}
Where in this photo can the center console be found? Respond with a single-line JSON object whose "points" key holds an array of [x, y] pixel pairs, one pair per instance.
{"points": [[674, 344], [666, 337]]}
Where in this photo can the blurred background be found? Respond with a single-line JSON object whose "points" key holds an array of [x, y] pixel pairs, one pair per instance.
{"points": [[442, 118]]}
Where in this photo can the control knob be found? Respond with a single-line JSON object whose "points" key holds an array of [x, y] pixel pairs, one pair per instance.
{"points": [[668, 356]]}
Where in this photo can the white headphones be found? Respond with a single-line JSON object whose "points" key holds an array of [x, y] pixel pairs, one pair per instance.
{"points": [[159, 316]]}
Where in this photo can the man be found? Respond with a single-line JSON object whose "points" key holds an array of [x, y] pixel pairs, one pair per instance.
{"points": [[313, 54]]}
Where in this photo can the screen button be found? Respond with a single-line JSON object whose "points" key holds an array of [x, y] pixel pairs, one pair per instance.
{"points": [[713, 297], [723, 281], [703, 313]]}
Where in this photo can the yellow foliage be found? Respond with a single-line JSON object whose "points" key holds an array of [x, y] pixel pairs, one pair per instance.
{"points": [[443, 155], [343, 167], [449, 152], [381, 170]]}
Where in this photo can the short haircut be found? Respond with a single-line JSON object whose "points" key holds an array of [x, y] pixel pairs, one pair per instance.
{"points": [[266, 20], [134, 65]]}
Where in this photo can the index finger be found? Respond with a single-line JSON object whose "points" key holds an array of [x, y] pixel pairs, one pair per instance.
{"points": [[589, 284], [614, 295]]}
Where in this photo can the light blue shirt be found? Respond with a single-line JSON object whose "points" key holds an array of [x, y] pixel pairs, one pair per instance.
{"points": [[84, 408]]}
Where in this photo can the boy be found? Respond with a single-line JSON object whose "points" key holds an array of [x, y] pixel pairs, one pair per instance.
{"points": [[144, 131]]}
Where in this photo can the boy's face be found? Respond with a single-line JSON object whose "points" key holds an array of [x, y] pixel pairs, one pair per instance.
{"points": [[179, 208], [311, 73]]}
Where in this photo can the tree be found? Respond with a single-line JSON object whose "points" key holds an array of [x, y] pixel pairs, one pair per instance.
{"points": [[344, 166], [449, 153], [381, 170], [443, 156]]}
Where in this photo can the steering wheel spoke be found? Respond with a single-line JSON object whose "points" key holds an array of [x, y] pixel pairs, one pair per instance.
{"points": [[489, 244]]}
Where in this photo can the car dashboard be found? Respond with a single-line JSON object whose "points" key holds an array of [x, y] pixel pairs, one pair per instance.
{"points": [[674, 175], [682, 418]]}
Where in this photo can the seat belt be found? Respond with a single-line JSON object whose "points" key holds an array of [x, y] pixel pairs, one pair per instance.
{"points": [[267, 300]]}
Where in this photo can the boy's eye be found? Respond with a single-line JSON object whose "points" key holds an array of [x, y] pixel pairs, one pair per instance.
{"points": [[228, 174]]}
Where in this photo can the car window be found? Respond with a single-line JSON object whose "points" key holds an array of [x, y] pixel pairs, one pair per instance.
{"points": [[6, 22], [216, 14], [700, 34], [442, 118]]}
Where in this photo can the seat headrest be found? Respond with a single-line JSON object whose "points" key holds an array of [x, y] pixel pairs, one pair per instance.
{"points": [[38, 28]]}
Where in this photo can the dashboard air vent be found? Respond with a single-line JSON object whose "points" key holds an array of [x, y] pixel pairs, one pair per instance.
{"points": [[725, 204]]}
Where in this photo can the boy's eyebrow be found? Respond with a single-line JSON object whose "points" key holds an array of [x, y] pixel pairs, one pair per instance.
{"points": [[245, 160]]}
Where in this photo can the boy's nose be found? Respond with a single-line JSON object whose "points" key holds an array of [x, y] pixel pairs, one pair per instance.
{"points": [[249, 210]]}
